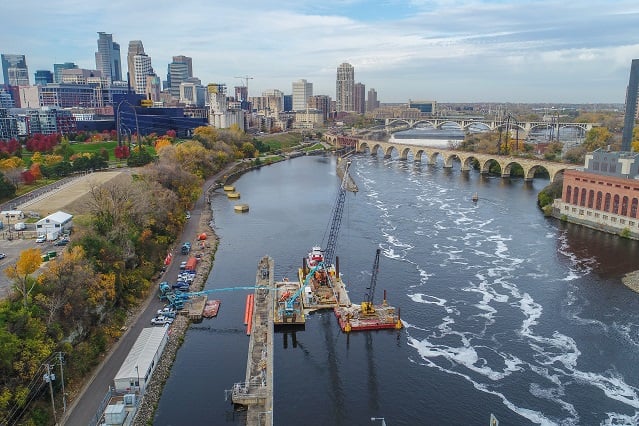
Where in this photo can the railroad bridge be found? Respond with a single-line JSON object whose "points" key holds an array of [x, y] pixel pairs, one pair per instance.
{"points": [[506, 162]]}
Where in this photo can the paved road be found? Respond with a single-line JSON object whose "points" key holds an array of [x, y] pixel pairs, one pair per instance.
{"points": [[84, 408]]}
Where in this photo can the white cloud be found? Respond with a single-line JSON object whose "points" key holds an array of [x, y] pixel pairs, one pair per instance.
{"points": [[448, 50]]}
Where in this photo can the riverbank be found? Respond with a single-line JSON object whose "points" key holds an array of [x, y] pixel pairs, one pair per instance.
{"points": [[153, 391]]}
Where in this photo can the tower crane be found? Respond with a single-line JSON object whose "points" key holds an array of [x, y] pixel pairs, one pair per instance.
{"points": [[367, 305], [245, 79]]}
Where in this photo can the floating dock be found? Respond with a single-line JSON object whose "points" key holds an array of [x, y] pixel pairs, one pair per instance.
{"points": [[229, 188], [241, 208], [211, 307], [233, 195]]}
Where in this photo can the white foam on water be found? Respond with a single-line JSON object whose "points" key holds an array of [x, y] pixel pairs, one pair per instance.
{"points": [[463, 342], [616, 419]]}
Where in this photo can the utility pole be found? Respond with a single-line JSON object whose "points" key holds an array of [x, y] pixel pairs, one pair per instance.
{"points": [[49, 378], [64, 395]]}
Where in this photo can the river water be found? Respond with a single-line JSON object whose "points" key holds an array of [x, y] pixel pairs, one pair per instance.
{"points": [[505, 311]]}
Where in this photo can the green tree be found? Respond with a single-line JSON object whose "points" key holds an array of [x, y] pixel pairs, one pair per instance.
{"points": [[597, 137]]}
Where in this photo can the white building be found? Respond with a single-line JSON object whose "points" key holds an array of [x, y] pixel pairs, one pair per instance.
{"points": [[221, 115], [58, 222], [308, 119], [137, 368], [302, 90], [142, 68]]}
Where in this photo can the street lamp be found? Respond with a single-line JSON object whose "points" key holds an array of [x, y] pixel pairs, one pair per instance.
{"points": [[379, 418]]}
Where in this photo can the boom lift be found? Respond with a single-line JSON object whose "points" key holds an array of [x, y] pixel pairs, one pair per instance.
{"points": [[367, 305]]}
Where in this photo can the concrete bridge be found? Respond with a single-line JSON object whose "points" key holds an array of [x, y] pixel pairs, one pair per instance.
{"points": [[525, 127], [506, 162]]}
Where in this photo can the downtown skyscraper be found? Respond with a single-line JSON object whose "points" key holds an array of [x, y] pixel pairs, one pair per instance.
{"points": [[302, 90], [14, 70], [107, 59], [344, 88], [632, 98]]}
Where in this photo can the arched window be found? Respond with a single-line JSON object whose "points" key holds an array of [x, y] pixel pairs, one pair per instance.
{"points": [[633, 208], [599, 199], [615, 204], [607, 203], [624, 206], [591, 198], [582, 199], [568, 194], [575, 196]]}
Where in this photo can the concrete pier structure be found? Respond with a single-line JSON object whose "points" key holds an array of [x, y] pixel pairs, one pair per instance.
{"points": [[256, 392]]}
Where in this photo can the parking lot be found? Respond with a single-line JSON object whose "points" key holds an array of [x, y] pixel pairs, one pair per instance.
{"points": [[12, 244]]}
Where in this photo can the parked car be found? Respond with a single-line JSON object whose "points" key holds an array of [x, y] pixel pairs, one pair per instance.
{"points": [[167, 311], [2, 255], [62, 242], [41, 239], [181, 285], [188, 215], [161, 320], [182, 266], [20, 226]]}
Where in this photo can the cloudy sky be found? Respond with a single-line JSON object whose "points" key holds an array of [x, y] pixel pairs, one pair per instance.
{"points": [[554, 51]]}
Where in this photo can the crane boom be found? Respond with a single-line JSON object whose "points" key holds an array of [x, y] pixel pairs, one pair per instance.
{"points": [[336, 220], [367, 305], [290, 302]]}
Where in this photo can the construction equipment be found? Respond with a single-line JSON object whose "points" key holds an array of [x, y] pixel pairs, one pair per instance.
{"points": [[289, 306], [367, 305], [336, 220]]}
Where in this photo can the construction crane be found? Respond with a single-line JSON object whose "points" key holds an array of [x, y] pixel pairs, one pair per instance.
{"points": [[367, 305], [336, 221], [245, 79]]}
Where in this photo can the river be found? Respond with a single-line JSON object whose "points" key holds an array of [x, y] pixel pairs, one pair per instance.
{"points": [[505, 311]]}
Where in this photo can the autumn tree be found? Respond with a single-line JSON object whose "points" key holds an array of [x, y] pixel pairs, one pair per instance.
{"points": [[597, 137], [20, 273]]}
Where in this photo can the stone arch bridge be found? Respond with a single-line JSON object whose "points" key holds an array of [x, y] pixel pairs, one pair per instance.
{"points": [[506, 162]]}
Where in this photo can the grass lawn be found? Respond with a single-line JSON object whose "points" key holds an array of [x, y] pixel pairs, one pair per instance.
{"points": [[282, 141]]}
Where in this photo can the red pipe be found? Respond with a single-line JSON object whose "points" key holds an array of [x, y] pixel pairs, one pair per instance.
{"points": [[246, 308], [250, 319]]}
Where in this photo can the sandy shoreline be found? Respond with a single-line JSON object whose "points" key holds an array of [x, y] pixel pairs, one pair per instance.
{"points": [[631, 280]]}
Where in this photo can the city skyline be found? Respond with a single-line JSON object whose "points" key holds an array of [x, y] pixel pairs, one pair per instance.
{"points": [[448, 50]]}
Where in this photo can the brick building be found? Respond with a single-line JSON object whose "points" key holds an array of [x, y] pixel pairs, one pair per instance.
{"points": [[604, 195]]}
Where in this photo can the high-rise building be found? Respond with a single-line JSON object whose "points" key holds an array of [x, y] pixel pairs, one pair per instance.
{"points": [[185, 60], [344, 87], [43, 77], [632, 97], [302, 90], [153, 87], [321, 103], [359, 98], [107, 59], [141, 69], [178, 71], [135, 48], [372, 103], [14, 70], [57, 70]]}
